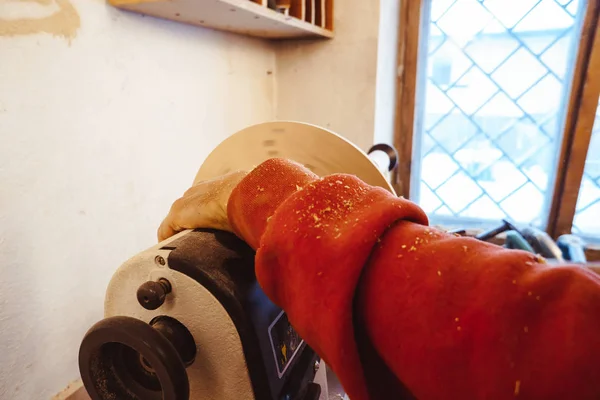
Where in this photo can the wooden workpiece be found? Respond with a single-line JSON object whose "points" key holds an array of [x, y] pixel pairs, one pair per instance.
{"points": [[248, 17]]}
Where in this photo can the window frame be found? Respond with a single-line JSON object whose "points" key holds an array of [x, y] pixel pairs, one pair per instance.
{"points": [[584, 91], [577, 134]]}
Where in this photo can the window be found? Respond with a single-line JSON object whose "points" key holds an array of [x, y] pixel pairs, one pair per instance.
{"points": [[488, 106], [441, 72], [587, 212]]}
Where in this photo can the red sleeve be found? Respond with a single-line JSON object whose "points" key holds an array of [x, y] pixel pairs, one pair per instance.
{"points": [[450, 317]]}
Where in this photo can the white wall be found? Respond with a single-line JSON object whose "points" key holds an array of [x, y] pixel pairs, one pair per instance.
{"points": [[97, 138], [102, 129], [387, 71], [332, 83]]}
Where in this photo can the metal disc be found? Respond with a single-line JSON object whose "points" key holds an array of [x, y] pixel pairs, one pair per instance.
{"points": [[320, 150]]}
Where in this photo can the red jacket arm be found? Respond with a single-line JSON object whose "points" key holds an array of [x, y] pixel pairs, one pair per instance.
{"points": [[470, 320], [451, 317]]}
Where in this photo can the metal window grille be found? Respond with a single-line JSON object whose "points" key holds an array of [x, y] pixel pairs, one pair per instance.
{"points": [[488, 139]]}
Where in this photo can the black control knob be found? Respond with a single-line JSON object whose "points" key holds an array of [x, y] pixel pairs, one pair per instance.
{"points": [[152, 295]]}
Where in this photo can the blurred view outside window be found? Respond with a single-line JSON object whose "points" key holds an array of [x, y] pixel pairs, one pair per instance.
{"points": [[490, 126], [587, 213]]}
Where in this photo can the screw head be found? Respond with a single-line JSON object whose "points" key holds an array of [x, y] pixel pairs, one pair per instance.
{"points": [[316, 366], [160, 260]]}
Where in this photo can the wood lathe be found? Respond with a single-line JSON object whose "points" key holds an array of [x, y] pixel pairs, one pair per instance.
{"points": [[186, 319]]}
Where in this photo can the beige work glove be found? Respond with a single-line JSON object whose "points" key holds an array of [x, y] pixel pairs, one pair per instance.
{"points": [[204, 205]]}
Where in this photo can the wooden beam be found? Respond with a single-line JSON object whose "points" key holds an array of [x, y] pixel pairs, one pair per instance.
{"points": [[579, 121], [74, 391], [406, 91], [329, 15], [310, 11], [297, 9], [320, 13], [592, 253]]}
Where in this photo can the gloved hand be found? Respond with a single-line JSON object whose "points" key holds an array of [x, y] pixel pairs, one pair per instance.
{"points": [[204, 205]]}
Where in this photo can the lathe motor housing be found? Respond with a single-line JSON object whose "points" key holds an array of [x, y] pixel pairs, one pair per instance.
{"points": [[225, 339]]}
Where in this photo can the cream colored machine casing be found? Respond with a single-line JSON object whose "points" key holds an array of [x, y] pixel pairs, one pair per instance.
{"points": [[216, 374]]}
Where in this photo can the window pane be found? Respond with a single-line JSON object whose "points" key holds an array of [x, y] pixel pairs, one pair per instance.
{"points": [[494, 98], [587, 214]]}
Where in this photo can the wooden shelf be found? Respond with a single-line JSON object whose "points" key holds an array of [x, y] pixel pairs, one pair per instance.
{"points": [[248, 17]]}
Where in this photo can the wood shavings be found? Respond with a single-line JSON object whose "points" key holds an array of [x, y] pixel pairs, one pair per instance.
{"points": [[439, 273], [517, 388], [261, 189], [412, 248], [316, 218], [465, 249], [298, 187], [403, 246]]}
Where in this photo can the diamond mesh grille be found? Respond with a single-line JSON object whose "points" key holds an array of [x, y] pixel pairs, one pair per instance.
{"points": [[497, 73]]}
